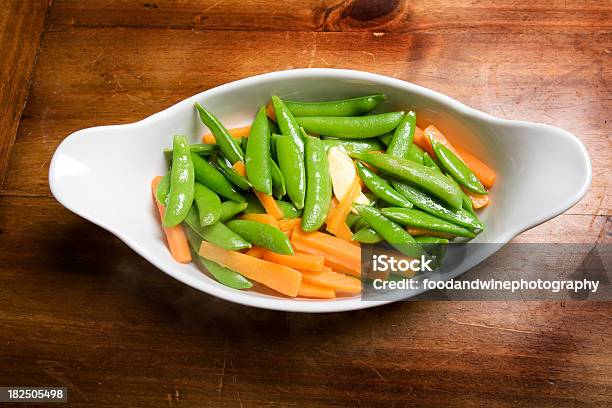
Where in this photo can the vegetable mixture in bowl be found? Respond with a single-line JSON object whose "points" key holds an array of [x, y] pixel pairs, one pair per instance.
{"points": [[287, 201]]}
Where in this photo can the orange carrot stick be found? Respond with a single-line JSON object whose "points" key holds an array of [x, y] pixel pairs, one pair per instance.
{"points": [[484, 173], [341, 255], [333, 280], [289, 225], [235, 132], [421, 141], [240, 168], [177, 241], [269, 204], [270, 111], [337, 223], [257, 252], [315, 291], [263, 218], [297, 260], [278, 277], [478, 201]]}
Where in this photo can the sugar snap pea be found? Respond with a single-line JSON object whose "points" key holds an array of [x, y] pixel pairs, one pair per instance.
{"points": [[286, 122], [318, 185], [198, 148], [431, 206], [163, 188], [352, 219], [229, 209], [367, 235], [354, 146], [416, 218], [278, 181], [391, 232], [257, 157], [349, 127], [402, 136], [223, 275], [344, 107], [232, 175], [429, 162], [208, 203], [291, 163], [218, 233], [417, 174], [209, 176], [253, 205], [430, 240], [415, 154], [180, 196], [288, 209], [457, 169], [262, 235], [380, 187], [466, 201], [226, 143]]}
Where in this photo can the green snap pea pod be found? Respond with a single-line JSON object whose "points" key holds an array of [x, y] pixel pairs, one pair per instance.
{"points": [[467, 201], [232, 175], [288, 209], [429, 162], [163, 188], [287, 123], [391, 232], [291, 163], [244, 142], [278, 181], [224, 275], [367, 235], [209, 176], [430, 240], [226, 143], [253, 205], [360, 224], [208, 203], [386, 138], [415, 154], [354, 146], [273, 138], [201, 149], [434, 246], [380, 187], [349, 127], [318, 185], [431, 206], [457, 169], [257, 157], [273, 126], [402, 136], [229, 209], [263, 235], [416, 218], [217, 234], [180, 196], [345, 107], [422, 176], [352, 219]]}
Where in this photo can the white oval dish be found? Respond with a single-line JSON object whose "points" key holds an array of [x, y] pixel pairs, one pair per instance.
{"points": [[103, 173]]}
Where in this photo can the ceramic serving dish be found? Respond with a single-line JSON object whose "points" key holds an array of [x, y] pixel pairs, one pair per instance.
{"points": [[103, 173]]}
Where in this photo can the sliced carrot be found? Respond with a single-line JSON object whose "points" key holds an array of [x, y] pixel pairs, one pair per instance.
{"points": [[297, 260], [263, 218], [315, 291], [333, 280], [341, 255], [278, 277], [269, 204], [240, 168], [421, 141], [478, 201], [289, 225], [415, 232], [257, 252], [337, 223], [270, 111], [484, 173], [235, 132], [177, 240]]}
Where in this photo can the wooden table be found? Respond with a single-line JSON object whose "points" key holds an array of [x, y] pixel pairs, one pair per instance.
{"points": [[81, 310]]}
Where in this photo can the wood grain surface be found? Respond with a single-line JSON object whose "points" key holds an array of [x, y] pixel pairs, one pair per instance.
{"points": [[81, 310]]}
